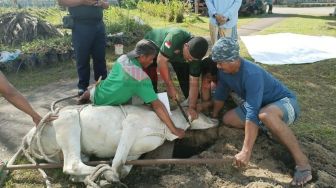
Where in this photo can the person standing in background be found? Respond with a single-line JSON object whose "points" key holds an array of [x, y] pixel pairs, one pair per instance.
{"points": [[223, 17], [270, 6], [88, 38]]}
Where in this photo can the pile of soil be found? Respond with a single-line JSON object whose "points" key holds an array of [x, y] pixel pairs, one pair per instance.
{"points": [[19, 27], [270, 166]]}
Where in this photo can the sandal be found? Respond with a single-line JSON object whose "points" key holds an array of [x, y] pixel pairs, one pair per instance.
{"points": [[302, 175]]}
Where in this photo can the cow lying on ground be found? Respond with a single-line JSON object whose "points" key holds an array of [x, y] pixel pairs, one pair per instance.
{"points": [[106, 131]]}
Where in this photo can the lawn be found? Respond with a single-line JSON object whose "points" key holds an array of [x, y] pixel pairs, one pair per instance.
{"points": [[314, 84]]}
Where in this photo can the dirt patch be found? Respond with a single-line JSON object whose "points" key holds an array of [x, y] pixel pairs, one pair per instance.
{"points": [[270, 166]]}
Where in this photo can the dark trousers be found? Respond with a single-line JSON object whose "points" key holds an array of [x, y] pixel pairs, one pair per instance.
{"points": [[89, 40], [182, 73], [270, 7]]}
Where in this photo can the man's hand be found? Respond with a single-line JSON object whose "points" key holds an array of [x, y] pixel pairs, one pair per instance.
{"points": [[192, 113], [180, 133], [37, 119], [172, 93], [242, 158], [220, 19]]}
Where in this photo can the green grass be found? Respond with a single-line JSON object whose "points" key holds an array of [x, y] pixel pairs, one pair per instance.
{"points": [[308, 25], [31, 78], [314, 84]]}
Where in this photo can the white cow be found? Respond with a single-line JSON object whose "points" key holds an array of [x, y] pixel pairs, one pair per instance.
{"points": [[107, 131]]}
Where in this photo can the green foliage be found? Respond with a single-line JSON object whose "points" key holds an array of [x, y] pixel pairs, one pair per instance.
{"points": [[118, 20], [173, 11], [42, 46], [129, 3]]}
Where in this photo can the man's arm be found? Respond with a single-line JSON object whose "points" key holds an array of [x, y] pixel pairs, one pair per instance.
{"points": [[17, 99], [162, 62], [193, 96], [251, 133], [211, 7], [162, 112], [254, 87]]}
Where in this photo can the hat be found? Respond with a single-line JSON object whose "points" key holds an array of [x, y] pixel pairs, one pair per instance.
{"points": [[198, 47], [143, 47], [225, 49]]}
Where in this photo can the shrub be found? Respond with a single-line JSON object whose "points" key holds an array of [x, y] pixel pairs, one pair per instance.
{"points": [[117, 20], [173, 11]]}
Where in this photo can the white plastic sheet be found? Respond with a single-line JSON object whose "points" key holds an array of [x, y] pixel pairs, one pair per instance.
{"points": [[289, 48]]}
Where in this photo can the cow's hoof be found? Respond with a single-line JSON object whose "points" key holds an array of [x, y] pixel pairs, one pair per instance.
{"points": [[110, 176]]}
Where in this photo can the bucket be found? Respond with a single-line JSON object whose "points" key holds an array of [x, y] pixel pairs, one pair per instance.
{"points": [[118, 49]]}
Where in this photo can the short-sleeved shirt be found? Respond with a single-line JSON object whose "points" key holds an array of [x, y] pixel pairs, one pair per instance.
{"points": [[253, 84], [126, 79], [171, 42], [86, 12]]}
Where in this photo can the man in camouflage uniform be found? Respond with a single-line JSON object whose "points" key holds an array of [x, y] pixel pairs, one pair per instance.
{"points": [[184, 52]]}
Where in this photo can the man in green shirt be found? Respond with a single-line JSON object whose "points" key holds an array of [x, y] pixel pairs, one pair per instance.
{"points": [[127, 79], [185, 53]]}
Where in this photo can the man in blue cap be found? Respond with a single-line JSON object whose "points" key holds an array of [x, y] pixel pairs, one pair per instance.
{"points": [[268, 105]]}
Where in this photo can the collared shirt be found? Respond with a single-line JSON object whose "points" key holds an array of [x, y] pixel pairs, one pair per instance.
{"points": [[171, 42], [253, 84], [227, 8], [126, 79]]}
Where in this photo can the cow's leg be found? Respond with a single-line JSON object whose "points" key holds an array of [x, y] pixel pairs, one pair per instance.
{"points": [[125, 169], [68, 133], [128, 136]]}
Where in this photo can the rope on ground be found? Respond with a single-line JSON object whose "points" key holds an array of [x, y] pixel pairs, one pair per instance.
{"points": [[93, 177], [90, 180]]}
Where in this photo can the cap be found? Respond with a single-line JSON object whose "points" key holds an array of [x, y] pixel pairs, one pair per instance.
{"points": [[198, 47], [225, 49], [143, 47]]}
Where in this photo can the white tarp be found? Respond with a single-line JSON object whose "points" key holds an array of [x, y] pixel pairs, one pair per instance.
{"points": [[289, 48]]}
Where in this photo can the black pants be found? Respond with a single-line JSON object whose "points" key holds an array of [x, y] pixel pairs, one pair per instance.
{"points": [[270, 7], [182, 73], [89, 41]]}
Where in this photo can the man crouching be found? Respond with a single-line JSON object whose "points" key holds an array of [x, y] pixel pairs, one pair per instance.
{"points": [[268, 104]]}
